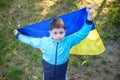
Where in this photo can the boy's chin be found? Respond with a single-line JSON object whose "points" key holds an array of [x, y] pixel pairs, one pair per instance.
{"points": [[58, 40]]}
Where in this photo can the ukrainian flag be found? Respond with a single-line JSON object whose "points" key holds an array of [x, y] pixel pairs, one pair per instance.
{"points": [[74, 21]]}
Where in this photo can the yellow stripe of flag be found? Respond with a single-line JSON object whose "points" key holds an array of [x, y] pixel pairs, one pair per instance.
{"points": [[91, 45]]}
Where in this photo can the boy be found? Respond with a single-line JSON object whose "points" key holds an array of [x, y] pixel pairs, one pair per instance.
{"points": [[57, 46]]}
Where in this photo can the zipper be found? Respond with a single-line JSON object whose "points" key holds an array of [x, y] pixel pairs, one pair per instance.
{"points": [[55, 60]]}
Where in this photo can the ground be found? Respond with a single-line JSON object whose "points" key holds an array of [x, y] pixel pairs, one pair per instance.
{"points": [[22, 62]]}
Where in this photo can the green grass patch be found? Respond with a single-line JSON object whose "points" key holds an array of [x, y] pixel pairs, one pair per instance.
{"points": [[106, 78], [14, 73], [83, 58], [73, 62], [86, 63], [111, 23], [89, 73], [103, 61], [97, 70], [94, 57], [106, 70], [4, 3], [110, 53]]}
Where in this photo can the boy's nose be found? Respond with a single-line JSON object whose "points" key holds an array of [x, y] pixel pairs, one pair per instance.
{"points": [[58, 35]]}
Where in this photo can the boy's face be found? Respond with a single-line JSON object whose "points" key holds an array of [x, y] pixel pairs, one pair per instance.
{"points": [[57, 34]]}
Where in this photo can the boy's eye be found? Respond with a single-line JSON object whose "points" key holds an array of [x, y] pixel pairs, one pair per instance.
{"points": [[58, 32], [55, 32], [61, 32]]}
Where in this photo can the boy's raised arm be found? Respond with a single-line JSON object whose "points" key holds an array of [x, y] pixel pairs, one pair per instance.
{"points": [[34, 42], [84, 31]]}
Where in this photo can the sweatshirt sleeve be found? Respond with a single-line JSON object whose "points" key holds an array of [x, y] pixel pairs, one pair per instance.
{"points": [[75, 38], [34, 42]]}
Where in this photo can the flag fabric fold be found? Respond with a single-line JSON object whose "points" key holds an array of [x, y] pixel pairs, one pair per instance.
{"points": [[74, 21]]}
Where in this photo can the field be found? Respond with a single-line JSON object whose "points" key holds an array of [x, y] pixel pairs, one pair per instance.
{"points": [[22, 62]]}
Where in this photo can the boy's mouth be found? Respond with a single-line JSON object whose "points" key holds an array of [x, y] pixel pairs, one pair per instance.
{"points": [[58, 40]]}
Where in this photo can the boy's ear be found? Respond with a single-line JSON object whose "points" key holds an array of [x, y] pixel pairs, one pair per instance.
{"points": [[50, 32], [65, 30]]}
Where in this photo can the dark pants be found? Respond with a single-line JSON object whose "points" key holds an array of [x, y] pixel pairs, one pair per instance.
{"points": [[54, 72]]}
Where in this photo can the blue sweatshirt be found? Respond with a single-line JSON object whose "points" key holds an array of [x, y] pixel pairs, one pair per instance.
{"points": [[57, 53]]}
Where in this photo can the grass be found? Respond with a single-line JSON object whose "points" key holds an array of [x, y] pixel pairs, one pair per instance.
{"points": [[4, 3], [106, 70], [74, 62], [106, 78], [86, 63], [111, 23], [103, 61], [21, 62], [14, 73], [89, 72]]}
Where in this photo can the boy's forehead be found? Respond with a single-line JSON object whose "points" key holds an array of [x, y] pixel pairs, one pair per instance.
{"points": [[58, 29]]}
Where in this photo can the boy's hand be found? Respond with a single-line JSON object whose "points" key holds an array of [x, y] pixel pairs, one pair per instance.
{"points": [[89, 9], [15, 32]]}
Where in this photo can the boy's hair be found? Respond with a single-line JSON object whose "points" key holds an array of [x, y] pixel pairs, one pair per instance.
{"points": [[57, 23]]}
